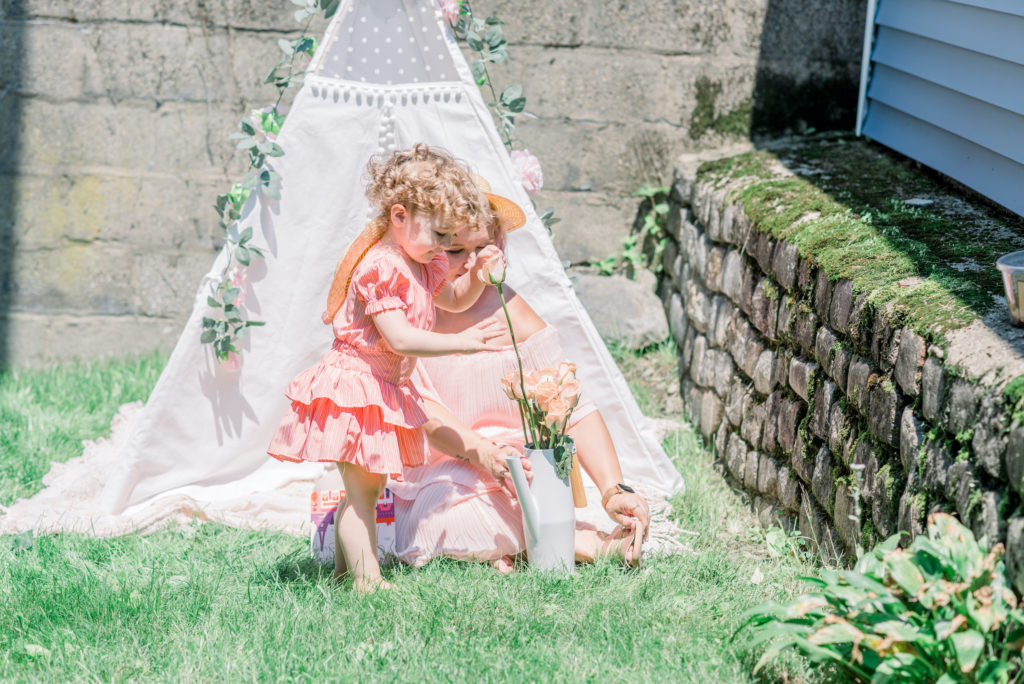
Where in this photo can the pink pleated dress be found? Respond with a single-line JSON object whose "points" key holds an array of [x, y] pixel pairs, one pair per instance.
{"points": [[357, 404]]}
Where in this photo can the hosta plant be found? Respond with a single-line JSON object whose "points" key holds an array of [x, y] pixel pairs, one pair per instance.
{"points": [[939, 611]]}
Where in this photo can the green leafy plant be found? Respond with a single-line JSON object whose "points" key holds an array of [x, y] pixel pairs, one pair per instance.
{"points": [[940, 611], [652, 229]]}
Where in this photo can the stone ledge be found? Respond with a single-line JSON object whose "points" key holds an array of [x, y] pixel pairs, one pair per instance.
{"points": [[835, 392]]}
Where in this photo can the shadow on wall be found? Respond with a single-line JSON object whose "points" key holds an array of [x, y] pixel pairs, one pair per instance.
{"points": [[808, 66], [11, 41]]}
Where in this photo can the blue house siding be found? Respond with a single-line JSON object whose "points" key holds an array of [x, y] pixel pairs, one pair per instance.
{"points": [[947, 89]]}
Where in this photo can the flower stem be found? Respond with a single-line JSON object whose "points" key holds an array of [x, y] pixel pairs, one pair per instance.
{"points": [[527, 433]]}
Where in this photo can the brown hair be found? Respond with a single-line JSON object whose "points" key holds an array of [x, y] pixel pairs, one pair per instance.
{"points": [[424, 180]]}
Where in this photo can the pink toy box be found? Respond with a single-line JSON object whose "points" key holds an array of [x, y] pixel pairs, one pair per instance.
{"points": [[327, 496]]}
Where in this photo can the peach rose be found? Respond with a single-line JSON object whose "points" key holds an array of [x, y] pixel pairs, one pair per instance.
{"points": [[544, 393], [566, 369], [510, 383], [570, 392], [557, 414], [491, 265]]}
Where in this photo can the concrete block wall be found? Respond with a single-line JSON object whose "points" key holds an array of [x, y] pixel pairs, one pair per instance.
{"points": [[117, 115], [798, 386]]}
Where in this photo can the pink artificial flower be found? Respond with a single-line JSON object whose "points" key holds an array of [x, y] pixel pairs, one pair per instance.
{"points": [[236, 278], [232, 363], [451, 9], [492, 266], [530, 174]]}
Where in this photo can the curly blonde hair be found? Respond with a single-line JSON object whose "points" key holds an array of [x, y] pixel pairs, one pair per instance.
{"points": [[427, 181], [423, 180]]}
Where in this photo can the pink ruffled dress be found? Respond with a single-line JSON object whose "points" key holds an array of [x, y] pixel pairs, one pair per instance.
{"points": [[357, 404]]}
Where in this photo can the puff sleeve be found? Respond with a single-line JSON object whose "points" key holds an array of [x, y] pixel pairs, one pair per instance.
{"points": [[437, 273], [381, 285]]}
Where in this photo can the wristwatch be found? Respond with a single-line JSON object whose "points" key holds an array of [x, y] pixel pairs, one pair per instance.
{"points": [[612, 491]]}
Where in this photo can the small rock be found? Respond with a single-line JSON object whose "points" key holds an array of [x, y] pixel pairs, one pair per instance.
{"points": [[750, 471], [990, 437], [823, 397], [760, 306], [838, 428], [805, 330], [824, 341], [622, 310], [911, 434], [768, 477], [770, 434], [963, 406], [822, 295], [911, 518], [677, 322], [884, 500], [784, 264], [841, 305], [736, 456], [764, 375], [859, 380], [1015, 553], [753, 421], [933, 389], [884, 409], [909, 361], [919, 202], [822, 484], [732, 276], [801, 373], [1015, 458], [710, 414], [734, 401], [791, 412], [937, 461], [789, 489], [847, 522], [839, 365]]}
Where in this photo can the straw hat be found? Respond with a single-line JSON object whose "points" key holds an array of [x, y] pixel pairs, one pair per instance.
{"points": [[508, 213]]}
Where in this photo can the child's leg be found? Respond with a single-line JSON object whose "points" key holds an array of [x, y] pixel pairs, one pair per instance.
{"points": [[355, 527]]}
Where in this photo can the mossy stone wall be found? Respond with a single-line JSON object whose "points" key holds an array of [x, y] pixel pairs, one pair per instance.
{"points": [[831, 408]]}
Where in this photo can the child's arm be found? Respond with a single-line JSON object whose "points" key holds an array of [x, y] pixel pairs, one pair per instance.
{"points": [[407, 340], [468, 287]]}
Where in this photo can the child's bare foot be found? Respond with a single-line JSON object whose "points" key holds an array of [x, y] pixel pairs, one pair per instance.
{"points": [[504, 565], [368, 585]]}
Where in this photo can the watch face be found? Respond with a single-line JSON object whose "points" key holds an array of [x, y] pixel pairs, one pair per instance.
{"points": [[627, 488]]}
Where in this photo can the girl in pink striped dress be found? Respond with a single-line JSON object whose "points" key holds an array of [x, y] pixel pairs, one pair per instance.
{"points": [[356, 406]]}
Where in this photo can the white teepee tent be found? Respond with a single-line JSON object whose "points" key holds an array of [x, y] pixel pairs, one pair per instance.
{"points": [[388, 74]]}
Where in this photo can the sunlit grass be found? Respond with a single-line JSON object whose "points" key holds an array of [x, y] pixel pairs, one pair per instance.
{"points": [[205, 602]]}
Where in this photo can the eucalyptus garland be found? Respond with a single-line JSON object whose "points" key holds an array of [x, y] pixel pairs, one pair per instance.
{"points": [[227, 325]]}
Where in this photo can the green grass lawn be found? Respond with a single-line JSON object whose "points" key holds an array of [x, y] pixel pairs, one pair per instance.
{"points": [[205, 602]]}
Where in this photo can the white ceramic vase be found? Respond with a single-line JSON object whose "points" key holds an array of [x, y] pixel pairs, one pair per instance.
{"points": [[549, 517]]}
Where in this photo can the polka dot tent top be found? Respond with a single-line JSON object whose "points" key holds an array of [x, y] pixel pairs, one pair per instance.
{"points": [[388, 42]]}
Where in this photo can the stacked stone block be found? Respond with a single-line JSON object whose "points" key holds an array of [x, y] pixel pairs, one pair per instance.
{"points": [[828, 414]]}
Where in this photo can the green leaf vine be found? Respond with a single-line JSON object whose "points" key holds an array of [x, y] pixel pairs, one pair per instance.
{"points": [[256, 134], [487, 38], [644, 247]]}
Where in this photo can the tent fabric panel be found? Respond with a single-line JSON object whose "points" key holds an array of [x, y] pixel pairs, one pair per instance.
{"points": [[977, 167]]}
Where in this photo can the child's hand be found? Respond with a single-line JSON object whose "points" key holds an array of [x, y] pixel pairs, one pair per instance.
{"points": [[489, 265], [482, 336]]}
